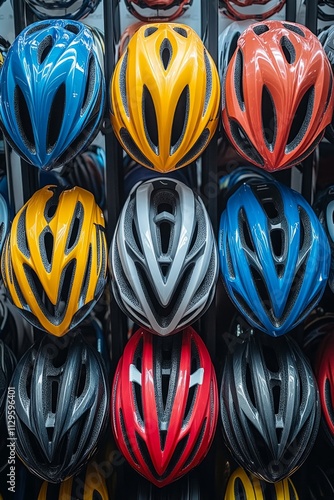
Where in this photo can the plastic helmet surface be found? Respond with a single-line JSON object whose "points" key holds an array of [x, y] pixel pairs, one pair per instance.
{"points": [[54, 262], [165, 96], [163, 256], [278, 94], [164, 424], [52, 92]]}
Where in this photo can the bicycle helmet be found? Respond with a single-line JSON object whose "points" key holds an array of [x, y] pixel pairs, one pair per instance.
{"points": [[274, 255], [86, 170], [242, 485], [278, 94], [227, 44], [52, 92], [324, 208], [269, 406], [167, 10], [62, 9], [163, 256], [165, 96], [239, 10], [62, 403], [325, 377], [324, 15], [89, 484], [326, 38], [164, 404], [54, 261]]}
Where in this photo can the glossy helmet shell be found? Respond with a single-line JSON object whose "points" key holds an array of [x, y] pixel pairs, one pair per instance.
{"points": [[165, 96], [54, 262], [88, 484], [52, 92], [324, 370], [62, 406], [163, 257], [270, 406], [278, 94], [168, 10], [326, 38], [62, 9], [234, 9], [164, 404], [274, 255], [242, 485]]}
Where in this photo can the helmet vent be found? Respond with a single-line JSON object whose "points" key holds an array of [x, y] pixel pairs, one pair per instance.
{"points": [[150, 31], [288, 50], [150, 120], [133, 150], [181, 31], [180, 120], [249, 385], [276, 392], [208, 89], [244, 143], [261, 288], [294, 28], [122, 83], [91, 82], [166, 52], [269, 120], [197, 446], [56, 117], [277, 241], [73, 28], [239, 490], [125, 439], [36, 28], [270, 209], [238, 78], [23, 119], [22, 241], [260, 29], [165, 232], [75, 229], [54, 396], [46, 248], [44, 48], [82, 380], [197, 148]]}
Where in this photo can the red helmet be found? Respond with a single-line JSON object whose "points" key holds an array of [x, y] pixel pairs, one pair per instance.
{"points": [[172, 9], [324, 371], [229, 9], [164, 404], [278, 94]]}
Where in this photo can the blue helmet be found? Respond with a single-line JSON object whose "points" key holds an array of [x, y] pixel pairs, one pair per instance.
{"points": [[52, 92], [274, 255]]}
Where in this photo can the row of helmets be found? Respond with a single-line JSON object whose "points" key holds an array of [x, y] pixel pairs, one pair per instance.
{"points": [[154, 256]]}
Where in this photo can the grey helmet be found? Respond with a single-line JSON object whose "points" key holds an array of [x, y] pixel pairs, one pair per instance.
{"points": [[270, 405], [164, 260]]}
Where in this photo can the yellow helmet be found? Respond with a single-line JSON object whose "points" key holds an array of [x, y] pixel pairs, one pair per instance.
{"points": [[165, 96], [87, 485], [54, 260], [242, 485]]}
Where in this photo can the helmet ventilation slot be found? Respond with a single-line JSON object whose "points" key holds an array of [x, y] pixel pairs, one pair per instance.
{"points": [[56, 117], [180, 120], [300, 120], [288, 50], [44, 48], [260, 29], [150, 120], [166, 52], [23, 119], [269, 118]]}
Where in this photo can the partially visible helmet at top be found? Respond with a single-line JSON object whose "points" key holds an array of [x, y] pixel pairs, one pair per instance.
{"points": [[239, 9], [54, 262], [164, 404], [4, 46], [165, 96], [274, 255], [52, 92], [167, 10], [242, 485], [269, 406], [88, 484], [278, 94], [325, 14], [227, 44], [62, 9], [163, 257]]}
